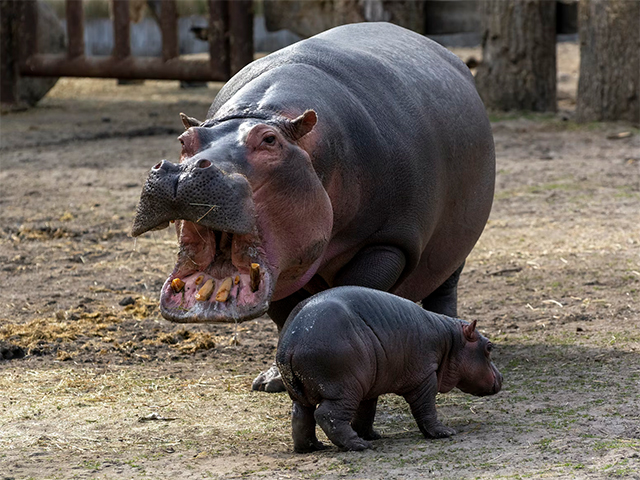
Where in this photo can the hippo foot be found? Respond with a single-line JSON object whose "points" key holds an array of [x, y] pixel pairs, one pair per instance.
{"points": [[356, 445], [269, 381], [309, 447], [439, 431], [371, 435]]}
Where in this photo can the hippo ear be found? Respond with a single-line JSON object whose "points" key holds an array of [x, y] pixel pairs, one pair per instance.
{"points": [[470, 331], [302, 125], [189, 122]]}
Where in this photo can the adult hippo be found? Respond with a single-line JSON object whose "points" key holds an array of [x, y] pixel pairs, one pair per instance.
{"points": [[361, 156]]}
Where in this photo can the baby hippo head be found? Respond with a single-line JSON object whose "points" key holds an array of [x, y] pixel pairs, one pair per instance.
{"points": [[477, 374]]}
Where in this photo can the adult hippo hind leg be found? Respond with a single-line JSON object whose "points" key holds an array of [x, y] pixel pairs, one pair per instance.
{"points": [[444, 299], [270, 380]]}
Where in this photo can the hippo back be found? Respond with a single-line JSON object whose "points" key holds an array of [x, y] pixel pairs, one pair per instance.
{"points": [[403, 144]]}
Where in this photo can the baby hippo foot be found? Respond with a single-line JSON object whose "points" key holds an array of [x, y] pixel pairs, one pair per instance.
{"points": [[303, 426], [370, 435], [366, 432], [356, 445], [308, 446], [362, 423], [438, 431], [333, 417], [269, 381]]}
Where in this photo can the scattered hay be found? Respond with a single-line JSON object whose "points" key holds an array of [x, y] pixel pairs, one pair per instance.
{"points": [[198, 341], [103, 332], [63, 356], [62, 328], [142, 308], [66, 217], [46, 232]]}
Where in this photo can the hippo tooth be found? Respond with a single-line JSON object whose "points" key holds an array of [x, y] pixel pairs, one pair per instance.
{"points": [[255, 276], [177, 285], [205, 292], [236, 280], [223, 291], [199, 279]]}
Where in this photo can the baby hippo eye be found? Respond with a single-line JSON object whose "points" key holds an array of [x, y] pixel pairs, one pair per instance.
{"points": [[269, 140], [489, 347]]}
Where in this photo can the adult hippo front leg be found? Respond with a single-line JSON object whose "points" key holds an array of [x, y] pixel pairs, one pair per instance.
{"points": [[376, 267], [444, 299]]}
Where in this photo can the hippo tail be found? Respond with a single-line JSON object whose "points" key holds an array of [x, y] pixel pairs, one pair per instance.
{"points": [[292, 382]]}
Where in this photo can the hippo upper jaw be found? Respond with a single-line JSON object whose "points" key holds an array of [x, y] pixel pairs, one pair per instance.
{"points": [[197, 191]]}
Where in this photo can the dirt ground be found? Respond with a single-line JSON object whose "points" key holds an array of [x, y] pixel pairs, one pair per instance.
{"points": [[100, 386]]}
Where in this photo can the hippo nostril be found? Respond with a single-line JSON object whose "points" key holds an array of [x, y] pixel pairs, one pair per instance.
{"points": [[157, 165], [204, 164]]}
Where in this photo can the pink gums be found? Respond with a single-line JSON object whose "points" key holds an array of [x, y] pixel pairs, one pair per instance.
{"points": [[200, 260]]}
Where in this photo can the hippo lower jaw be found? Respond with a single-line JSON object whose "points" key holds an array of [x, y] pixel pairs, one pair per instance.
{"points": [[213, 281]]}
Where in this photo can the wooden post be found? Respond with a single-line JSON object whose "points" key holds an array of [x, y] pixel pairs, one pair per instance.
{"points": [[121, 29], [28, 29], [169, 28], [9, 11], [240, 34], [218, 37], [75, 28]]}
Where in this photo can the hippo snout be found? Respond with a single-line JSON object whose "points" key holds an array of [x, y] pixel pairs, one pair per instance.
{"points": [[165, 166], [497, 384], [198, 191]]}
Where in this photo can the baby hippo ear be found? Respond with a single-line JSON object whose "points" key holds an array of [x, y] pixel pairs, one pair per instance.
{"points": [[470, 332], [302, 125], [189, 122]]}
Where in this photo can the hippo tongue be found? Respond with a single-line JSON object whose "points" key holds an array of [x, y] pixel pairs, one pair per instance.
{"points": [[219, 277]]}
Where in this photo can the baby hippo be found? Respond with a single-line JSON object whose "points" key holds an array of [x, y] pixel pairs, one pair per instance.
{"points": [[346, 346]]}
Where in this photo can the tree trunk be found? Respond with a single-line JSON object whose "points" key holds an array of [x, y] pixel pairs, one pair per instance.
{"points": [[518, 70], [609, 84]]}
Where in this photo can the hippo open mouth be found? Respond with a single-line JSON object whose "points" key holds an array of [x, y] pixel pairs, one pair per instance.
{"points": [[222, 273], [219, 277]]}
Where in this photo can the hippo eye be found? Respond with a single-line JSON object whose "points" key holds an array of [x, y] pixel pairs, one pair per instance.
{"points": [[489, 347], [270, 140]]}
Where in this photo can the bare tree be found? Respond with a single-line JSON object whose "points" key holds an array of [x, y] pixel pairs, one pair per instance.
{"points": [[609, 83], [518, 70]]}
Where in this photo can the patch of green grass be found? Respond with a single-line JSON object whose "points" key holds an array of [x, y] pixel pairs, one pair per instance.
{"points": [[611, 444]]}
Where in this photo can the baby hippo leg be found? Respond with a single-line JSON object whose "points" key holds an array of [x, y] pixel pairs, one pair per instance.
{"points": [[362, 423], [304, 429], [422, 401], [334, 418]]}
